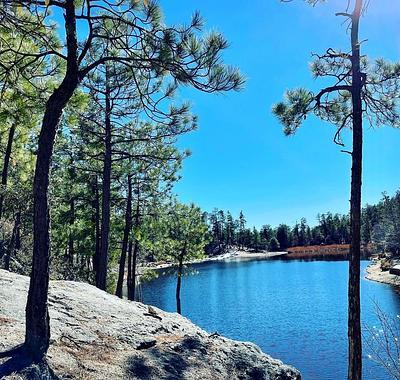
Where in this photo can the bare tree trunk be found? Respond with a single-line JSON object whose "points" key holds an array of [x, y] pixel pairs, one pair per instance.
{"points": [[71, 251], [129, 280], [354, 312], [18, 233], [14, 243], [71, 245], [96, 222], [37, 335], [132, 260], [6, 164], [125, 241], [101, 273], [179, 280], [133, 256], [134, 263]]}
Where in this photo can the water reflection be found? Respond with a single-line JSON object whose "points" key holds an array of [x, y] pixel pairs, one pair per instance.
{"points": [[294, 310]]}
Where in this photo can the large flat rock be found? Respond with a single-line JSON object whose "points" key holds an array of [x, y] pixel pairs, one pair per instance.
{"points": [[95, 335]]}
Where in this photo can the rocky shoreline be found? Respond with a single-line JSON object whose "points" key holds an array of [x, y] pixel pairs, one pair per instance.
{"points": [[375, 273], [96, 336]]}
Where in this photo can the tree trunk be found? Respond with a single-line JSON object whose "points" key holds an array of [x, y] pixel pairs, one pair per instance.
{"points": [[179, 280], [129, 281], [71, 252], [133, 257], [96, 223], [354, 311], [101, 273], [125, 241], [18, 233], [37, 318], [7, 156], [71, 245], [37, 335], [133, 271], [14, 242]]}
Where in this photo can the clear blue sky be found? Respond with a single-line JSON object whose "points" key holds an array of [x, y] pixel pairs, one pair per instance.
{"points": [[241, 160]]}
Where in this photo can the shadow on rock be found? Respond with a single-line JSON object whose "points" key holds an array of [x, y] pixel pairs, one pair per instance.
{"points": [[21, 363], [166, 362], [138, 367]]}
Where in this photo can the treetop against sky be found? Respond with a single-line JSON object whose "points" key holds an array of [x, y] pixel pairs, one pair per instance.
{"points": [[241, 160]]}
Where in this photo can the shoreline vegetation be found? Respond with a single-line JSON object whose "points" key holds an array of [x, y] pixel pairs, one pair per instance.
{"points": [[325, 252], [315, 252], [332, 252], [234, 254]]}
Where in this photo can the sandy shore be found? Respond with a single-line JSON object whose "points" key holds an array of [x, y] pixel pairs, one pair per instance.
{"points": [[232, 255], [374, 273]]}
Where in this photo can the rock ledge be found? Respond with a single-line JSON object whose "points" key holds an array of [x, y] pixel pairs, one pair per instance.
{"points": [[96, 335]]}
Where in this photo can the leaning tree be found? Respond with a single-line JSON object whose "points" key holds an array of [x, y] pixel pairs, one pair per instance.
{"points": [[362, 91], [136, 37]]}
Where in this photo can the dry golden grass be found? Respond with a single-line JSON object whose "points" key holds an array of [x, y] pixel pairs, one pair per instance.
{"points": [[333, 251]]}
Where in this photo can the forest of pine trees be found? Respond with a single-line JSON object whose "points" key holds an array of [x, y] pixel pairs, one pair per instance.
{"points": [[380, 227], [228, 233], [90, 125], [140, 205]]}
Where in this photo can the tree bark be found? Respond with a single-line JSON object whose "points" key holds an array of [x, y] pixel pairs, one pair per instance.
{"points": [[14, 243], [96, 223], [101, 274], [37, 318], [132, 260], [37, 335], [125, 241], [6, 164], [129, 281], [179, 280], [71, 245], [71, 251], [354, 307], [18, 233]]}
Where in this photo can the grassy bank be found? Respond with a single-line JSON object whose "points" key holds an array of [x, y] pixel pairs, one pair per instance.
{"points": [[323, 252]]}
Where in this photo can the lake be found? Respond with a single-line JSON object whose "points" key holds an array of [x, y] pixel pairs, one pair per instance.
{"points": [[295, 311]]}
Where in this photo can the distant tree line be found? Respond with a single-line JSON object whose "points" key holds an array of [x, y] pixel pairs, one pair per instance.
{"points": [[226, 232], [380, 227]]}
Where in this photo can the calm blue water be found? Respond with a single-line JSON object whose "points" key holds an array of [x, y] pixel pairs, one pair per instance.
{"points": [[294, 310]]}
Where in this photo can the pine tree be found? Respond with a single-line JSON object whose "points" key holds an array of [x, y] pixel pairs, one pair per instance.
{"points": [[283, 236], [230, 230], [174, 52], [182, 237], [273, 245], [241, 232], [361, 91], [255, 240]]}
